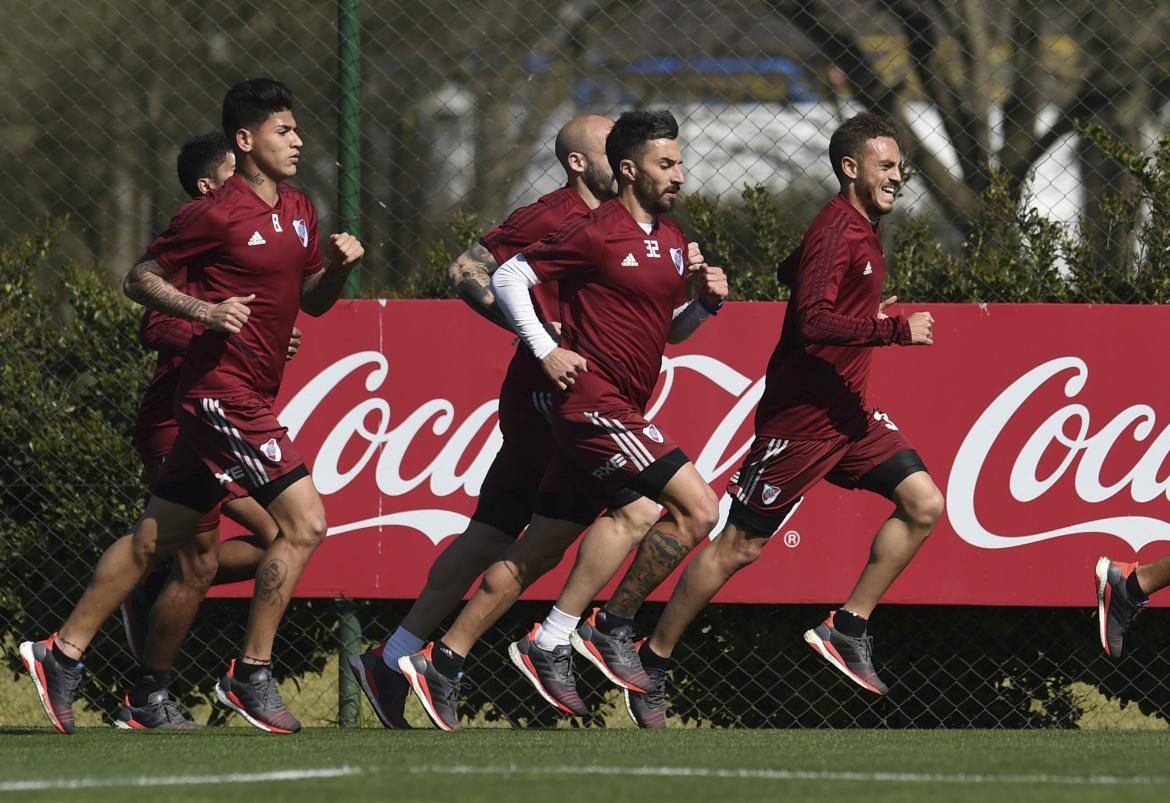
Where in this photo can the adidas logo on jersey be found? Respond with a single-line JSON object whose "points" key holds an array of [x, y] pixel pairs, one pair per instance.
{"points": [[257, 239], [868, 269], [629, 261]]}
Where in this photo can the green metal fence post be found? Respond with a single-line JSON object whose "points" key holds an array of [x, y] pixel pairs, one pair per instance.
{"points": [[349, 127], [349, 641]]}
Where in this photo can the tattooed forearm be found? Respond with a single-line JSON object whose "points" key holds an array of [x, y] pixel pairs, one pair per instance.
{"points": [[470, 278], [270, 581], [145, 284], [658, 556]]}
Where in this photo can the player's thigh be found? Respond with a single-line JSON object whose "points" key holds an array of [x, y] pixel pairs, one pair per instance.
{"points": [[249, 513], [688, 497], [919, 499], [166, 526], [546, 537], [299, 512]]}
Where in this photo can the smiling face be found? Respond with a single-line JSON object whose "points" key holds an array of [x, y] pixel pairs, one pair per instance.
{"points": [[275, 147], [875, 177]]}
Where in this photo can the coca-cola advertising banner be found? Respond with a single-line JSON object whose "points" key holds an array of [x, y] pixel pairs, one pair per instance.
{"points": [[1044, 425]]}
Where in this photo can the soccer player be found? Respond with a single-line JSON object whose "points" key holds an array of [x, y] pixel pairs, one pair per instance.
{"points": [[507, 497], [204, 164], [622, 273], [815, 422], [1123, 591], [251, 258]]}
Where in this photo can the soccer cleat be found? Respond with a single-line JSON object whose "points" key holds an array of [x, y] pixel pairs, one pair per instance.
{"points": [[1116, 609], [852, 655], [161, 712], [648, 710], [438, 693], [57, 685], [613, 653], [384, 688], [550, 671], [135, 619], [258, 700]]}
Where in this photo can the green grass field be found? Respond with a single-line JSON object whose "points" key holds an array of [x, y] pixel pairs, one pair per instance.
{"points": [[227, 764]]}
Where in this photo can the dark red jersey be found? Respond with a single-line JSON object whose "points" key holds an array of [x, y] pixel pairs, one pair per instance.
{"points": [[817, 376], [528, 224], [232, 243], [169, 336], [619, 287]]}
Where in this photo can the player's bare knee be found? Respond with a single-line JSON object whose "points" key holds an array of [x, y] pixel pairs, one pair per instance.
{"points": [[703, 515], [923, 511], [309, 532], [636, 518], [740, 552]]}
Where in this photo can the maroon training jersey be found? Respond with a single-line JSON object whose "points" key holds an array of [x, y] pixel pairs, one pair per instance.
{"points": [[232, 243], [816, 381], [528, 224], [619, 287], [170, 337]]}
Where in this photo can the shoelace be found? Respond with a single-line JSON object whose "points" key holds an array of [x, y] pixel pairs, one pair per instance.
{"points": [[563, 668], [656, 695], [624, 636], [271, 695], [170, 710], [1125, 609], [71, 682]]}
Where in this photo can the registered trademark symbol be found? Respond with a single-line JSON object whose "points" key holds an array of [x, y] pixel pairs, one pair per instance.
{"points": [[792, 539]]}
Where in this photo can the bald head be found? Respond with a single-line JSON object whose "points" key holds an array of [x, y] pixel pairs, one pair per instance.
{"points": [[580, 148]]}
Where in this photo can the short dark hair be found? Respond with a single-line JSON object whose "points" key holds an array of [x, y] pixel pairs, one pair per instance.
{"points": [[250, 103], [629, 135], [198, 159], [850, 137]]}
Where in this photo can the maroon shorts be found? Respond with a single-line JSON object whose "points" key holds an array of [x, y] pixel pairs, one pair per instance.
{"points": [[777, 472], [154, 443], [602, 452], [508, 493], [228, 447]]}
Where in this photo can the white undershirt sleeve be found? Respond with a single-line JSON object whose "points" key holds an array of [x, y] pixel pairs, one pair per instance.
{"points": [[511, 283], [686, 320]]}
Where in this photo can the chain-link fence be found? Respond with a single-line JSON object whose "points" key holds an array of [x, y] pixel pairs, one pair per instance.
{"points": [[1039, 171]]}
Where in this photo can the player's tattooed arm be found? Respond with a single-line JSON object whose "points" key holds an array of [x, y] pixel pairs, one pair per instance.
{"points": [[470, 278], [147, 284]]}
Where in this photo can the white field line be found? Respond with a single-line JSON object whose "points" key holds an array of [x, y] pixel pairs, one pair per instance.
{"points": [[1033, 779], [178, 780]]}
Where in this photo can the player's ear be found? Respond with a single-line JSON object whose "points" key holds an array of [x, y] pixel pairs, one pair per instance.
{"points": [[628, 169], [577, 162], [849, 166], [204, 185], [244, 140]]}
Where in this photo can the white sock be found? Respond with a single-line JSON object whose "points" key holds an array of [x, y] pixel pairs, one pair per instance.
{"points": [[556, 629], [403, 642]]}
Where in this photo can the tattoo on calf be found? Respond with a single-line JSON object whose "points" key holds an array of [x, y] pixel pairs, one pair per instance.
{"points": [[659, 555], [271, 580]]}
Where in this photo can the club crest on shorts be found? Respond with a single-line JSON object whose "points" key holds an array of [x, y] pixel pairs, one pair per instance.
{"points": [[768, 494], [652, 432], [676, 256], [302, 232], [271, 449]]}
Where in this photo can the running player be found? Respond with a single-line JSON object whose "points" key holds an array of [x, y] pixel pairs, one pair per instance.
{"points": [[508, 494], [204, 164], [251, 258], [622, 273], [815, 422]]}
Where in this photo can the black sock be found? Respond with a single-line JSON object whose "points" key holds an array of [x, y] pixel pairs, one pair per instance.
{"points": [[448, 662], [849, 624], [245, 670], [63, 659], [608, 622], [1134, 589], [149, 681], [651, 659]]}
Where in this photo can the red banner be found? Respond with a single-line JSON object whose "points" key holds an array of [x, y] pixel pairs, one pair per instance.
{"points": [[1043, 425]]}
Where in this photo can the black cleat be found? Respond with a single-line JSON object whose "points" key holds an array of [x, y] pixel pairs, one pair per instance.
{"points": [[257, 700], [384, 688], [161, 712], [57, 685], [550, 671], [438, 693]]}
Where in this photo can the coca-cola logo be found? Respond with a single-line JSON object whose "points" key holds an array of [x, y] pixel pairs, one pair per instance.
{"points": [[383, 440], [1066, 446]]}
